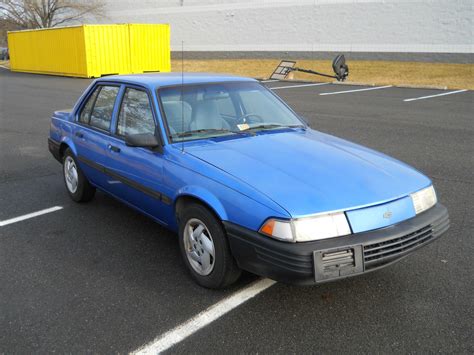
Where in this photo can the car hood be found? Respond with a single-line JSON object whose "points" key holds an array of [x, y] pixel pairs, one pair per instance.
{"points": [[308, 172]]}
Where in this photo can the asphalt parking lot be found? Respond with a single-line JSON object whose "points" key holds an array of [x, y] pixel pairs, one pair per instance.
{"points": [[99, 277]]}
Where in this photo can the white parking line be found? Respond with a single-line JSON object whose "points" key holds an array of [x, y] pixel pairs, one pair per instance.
{"points": [[348, 91], [30, 215], [269, 81], [430, 96], [182, 331], [298, 86]]}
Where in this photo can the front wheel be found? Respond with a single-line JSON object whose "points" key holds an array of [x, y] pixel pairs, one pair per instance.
{"points": [[205, 249], [79, 189]]}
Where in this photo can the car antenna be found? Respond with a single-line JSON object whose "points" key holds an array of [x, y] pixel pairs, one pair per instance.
{"points": [[182, 95]]}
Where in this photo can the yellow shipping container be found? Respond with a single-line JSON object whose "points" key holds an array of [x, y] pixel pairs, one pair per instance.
{"points": [[91, 50]]}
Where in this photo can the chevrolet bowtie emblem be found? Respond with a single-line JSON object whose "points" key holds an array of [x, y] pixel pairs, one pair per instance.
{"points": [[387, 214]]}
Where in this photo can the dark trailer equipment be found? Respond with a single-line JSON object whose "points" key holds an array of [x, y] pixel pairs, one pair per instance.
{"points": [[341, 70]]}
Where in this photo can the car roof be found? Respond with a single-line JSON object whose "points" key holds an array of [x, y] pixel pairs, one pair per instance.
{"points": [[157, 80]]}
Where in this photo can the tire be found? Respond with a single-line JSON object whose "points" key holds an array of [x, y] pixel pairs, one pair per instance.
{"points": [[77, 186], [220, 269]]}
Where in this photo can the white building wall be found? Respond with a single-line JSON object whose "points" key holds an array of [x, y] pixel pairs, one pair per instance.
{"points": [[427, 26]]}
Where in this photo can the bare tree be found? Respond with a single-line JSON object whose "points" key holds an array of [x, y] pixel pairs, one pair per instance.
{"points": [[3, 32], [26, 14]]}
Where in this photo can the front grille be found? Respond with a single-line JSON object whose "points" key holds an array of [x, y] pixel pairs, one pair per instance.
{"points": [[383, 252], [380, 253]]}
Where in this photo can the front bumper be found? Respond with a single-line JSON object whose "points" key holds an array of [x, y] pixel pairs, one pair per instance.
{"points": [[334, 258]]}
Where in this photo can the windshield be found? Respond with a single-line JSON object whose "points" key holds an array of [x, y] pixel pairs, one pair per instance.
{"points": [[211, 110]]}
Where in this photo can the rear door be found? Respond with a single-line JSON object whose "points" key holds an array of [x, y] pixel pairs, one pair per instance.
{"points": [[91, 134], [136, 172]]}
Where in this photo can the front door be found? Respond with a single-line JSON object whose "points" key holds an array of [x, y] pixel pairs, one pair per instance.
{"points": [[135, 173]]}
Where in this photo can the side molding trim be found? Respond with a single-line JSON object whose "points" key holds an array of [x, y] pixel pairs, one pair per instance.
{"points": [[146, 190]]}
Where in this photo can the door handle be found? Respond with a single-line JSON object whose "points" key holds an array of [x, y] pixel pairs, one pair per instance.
{"points": [[113, 148], [80, 134]]}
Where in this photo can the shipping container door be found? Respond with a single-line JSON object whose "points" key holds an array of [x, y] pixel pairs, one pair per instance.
{"points": [[108, 49], [149, 48]]}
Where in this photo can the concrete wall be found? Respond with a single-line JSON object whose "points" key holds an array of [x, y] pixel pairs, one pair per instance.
{"points": [[432, 28]]}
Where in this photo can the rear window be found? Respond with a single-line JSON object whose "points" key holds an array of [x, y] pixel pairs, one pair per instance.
{"points": [[101, 114], [85, 115], [99, 107]]}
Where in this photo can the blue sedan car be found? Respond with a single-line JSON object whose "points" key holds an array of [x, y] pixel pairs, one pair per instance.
{"points": [[242, 179]]}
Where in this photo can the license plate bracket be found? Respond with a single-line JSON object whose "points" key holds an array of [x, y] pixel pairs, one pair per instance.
{"points": [[331, 264]]}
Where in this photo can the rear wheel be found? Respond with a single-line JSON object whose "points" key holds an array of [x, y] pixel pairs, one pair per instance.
{"points": [[205, 249], [79, 189]]}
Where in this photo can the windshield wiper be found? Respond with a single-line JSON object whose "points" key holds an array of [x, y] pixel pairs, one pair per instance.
{"points": [[204, 130], [272, 125], [244, 131]]}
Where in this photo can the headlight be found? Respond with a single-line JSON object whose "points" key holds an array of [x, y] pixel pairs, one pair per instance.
{"points": [[306, 229], [424, 199], [321, 227]]}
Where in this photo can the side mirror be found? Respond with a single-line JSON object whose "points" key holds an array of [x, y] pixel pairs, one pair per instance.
{"points": [[340, 67], [145, 140]]}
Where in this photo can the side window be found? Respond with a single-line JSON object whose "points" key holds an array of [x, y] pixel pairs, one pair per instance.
{"points": [[135, 114], [104, 105], [85, 115]]}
